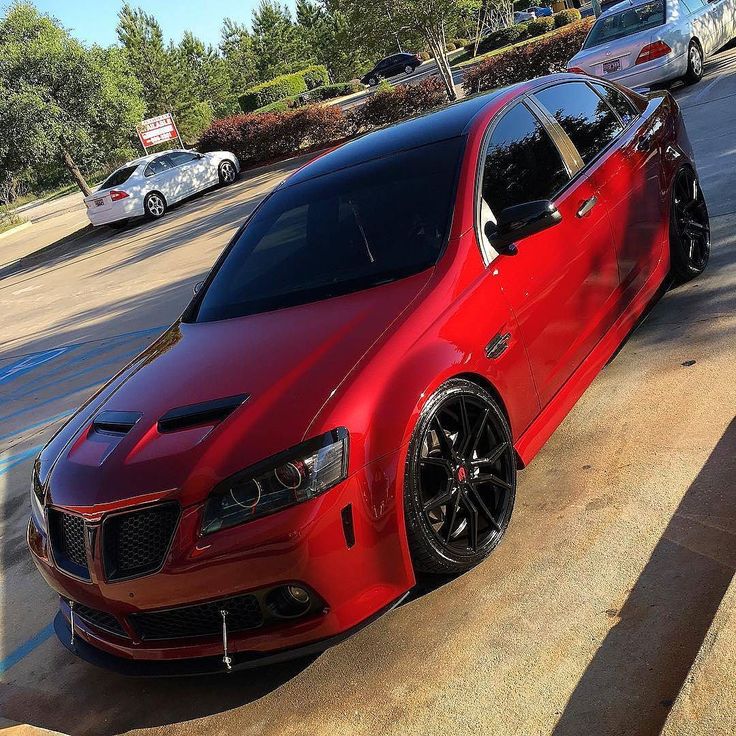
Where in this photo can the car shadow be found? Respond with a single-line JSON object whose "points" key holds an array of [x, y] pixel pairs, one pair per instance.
{"points": [[635, 677]]}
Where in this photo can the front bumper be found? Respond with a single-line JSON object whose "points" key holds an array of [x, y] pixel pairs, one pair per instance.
{"points": [[305, 544]]}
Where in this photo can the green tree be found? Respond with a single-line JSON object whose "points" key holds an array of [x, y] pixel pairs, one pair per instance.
{"points": [[431, 20], [204, 73], [279, 46], [236, 46], [60, 100]]}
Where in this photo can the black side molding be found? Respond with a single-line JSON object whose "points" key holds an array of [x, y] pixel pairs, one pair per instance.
{"points": [[208, 412]]}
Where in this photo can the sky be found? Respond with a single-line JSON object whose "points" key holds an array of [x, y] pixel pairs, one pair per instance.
{"points": [[94, 21]]}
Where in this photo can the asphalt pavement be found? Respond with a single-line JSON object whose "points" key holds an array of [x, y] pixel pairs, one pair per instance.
{"points": [[610, 607]]}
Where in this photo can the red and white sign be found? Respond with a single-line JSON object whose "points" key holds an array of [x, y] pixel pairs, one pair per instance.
{"points": [[157, 130]]}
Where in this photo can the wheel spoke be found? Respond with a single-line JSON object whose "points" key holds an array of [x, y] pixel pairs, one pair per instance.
{"points": [[485, 510], [466, 431], [442, 438], [492, 458], [490, 478], [436, 462], [453, 518], [441, 499], [472, 517]]}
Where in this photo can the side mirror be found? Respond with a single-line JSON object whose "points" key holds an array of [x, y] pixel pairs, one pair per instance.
{"points": [[521, 221], [197, 287]]}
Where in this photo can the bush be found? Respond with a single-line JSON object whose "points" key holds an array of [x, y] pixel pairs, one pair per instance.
{"points": [[425, 55], [286, 85], [503, 37], [260, 138], [402, 101], [565, 17], [540, 26], [460, 42], [545, 56], [318, 94], [450, 47]]}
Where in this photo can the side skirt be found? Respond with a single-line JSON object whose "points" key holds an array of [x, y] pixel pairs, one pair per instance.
{"points": [[541, 429]]}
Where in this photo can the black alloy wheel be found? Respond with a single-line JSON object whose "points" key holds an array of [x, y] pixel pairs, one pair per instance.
{"points": [[460, 479], [689, 228]]}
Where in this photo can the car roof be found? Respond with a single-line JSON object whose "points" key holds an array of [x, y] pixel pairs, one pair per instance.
{"points": [[149, 157], [618, 7], [449, 122]]}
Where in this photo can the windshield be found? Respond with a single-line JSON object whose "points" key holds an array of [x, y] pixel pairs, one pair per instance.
{"points": [[626, 23], [342, 232], [118, 177]]}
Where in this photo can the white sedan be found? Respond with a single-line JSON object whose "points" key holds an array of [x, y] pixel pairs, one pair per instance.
{"points": [[148, 185]]}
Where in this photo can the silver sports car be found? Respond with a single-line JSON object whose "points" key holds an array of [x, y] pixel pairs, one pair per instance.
{"points": [[640, 43]]}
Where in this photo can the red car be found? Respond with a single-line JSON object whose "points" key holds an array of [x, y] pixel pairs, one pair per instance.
{"points": [[345, 403]]}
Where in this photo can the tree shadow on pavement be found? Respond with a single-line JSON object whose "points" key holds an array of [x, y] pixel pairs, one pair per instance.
{"points": [[636, 674]]}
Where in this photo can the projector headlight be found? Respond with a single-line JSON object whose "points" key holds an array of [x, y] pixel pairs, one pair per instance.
{"points": [[284, 480]]}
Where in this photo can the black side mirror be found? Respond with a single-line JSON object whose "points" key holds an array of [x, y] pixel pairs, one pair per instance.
{"points": [[521, 221]]}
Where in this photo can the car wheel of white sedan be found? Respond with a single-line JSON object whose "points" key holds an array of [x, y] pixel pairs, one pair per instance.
{"points": [[227, 173], [694, 64], [155, 205]]}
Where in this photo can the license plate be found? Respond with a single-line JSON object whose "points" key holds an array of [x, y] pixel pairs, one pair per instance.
{"points": [[611, 66], [99, 202]]}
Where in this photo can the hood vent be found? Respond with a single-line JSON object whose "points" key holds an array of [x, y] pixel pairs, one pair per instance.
{"points": [[208, 412], [116, 422]]}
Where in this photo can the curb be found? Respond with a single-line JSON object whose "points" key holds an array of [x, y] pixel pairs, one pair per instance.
{"points": [[16, 229], [12, 728]]}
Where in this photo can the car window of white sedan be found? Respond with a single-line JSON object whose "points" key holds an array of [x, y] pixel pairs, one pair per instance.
{"points": [[118, 178], [626, 23], [157, 166]]}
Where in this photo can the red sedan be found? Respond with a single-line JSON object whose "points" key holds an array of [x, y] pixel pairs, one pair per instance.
{"points": [[345, 403]]}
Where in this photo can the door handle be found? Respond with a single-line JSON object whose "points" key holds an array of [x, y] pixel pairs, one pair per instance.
{"points": [[644, 143], [587, 206]]}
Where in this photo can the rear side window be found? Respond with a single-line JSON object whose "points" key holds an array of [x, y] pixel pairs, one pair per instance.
{"points": [[587, 119], [177, 158], [626, 23], [522, 163], [118, 178], [623, 106]]}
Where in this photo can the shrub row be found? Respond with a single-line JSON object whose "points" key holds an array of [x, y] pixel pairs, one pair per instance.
{"points": [[258, 138], [545, 56], [286, 85], [521, 31], [318, 94]]}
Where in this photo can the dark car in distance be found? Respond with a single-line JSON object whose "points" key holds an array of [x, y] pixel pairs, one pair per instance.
{"points": [[390, 67]]}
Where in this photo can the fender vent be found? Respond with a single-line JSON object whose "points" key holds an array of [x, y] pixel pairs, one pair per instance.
{"points": [[194, 415], [116, 422]]}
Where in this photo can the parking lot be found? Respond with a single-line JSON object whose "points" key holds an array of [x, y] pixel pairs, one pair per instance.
{"points": [[610, 607]]}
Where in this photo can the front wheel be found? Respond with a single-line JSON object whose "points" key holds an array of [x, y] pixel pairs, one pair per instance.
{"points": [[689, 227], [373, 81], [409, 69], [460, 480], [695, 65], [154, 205], [227, 173]]}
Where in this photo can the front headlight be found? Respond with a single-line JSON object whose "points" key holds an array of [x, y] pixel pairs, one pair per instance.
{"points": [[286, 479], [39, 516]]}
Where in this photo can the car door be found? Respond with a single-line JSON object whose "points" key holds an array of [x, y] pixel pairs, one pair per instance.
{"points": [[707, 24], [191, 172], [561, 283], [158, 175], [626, 176]]}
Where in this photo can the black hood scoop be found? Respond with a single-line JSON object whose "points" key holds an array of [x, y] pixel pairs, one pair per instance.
{"points": [[117, 423], [194, 415]]}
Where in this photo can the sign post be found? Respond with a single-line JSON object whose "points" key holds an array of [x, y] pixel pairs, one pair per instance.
{"points": [[157, 130]]}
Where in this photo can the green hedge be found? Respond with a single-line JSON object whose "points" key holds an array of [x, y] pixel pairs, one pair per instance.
{"points": [[540, 26], [318, 94], [286, 85], [565, 17]]}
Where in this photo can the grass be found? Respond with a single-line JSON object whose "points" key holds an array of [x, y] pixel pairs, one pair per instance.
{"points": [[9, 220], [45, 196], [467, 59]]}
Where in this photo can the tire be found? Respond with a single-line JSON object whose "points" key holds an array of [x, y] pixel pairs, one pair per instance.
{"points": [[409, 69], [689, 227], [695, 64], [154, 205], [227, 172], [457, 507], [373, 81]]}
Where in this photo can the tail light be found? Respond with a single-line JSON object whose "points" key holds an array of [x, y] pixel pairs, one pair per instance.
{"points": [[576, 70], [652, 51], [116, 194]]}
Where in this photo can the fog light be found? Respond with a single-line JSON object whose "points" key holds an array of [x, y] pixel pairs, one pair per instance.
{"points": [[289, 601]]}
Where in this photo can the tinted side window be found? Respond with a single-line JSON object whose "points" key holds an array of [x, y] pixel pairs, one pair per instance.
{"points": [[157, 166], [619, 102], [177, 158], [118, 177], [585, 117], [522, 163]]}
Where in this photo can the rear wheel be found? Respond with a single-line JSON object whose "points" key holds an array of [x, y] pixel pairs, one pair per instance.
{"points": [[373, 81], [154, 205], [408, 68], [460, 481], [689, 227], [695, 64], [227, 173]]}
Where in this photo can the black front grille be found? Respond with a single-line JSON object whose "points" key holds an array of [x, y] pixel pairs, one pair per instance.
{"points": [[135, 543], [100, 619], [67, 539], [243, 612]]}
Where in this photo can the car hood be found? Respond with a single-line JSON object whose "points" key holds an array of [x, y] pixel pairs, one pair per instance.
{"points": [[282, 366]]}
